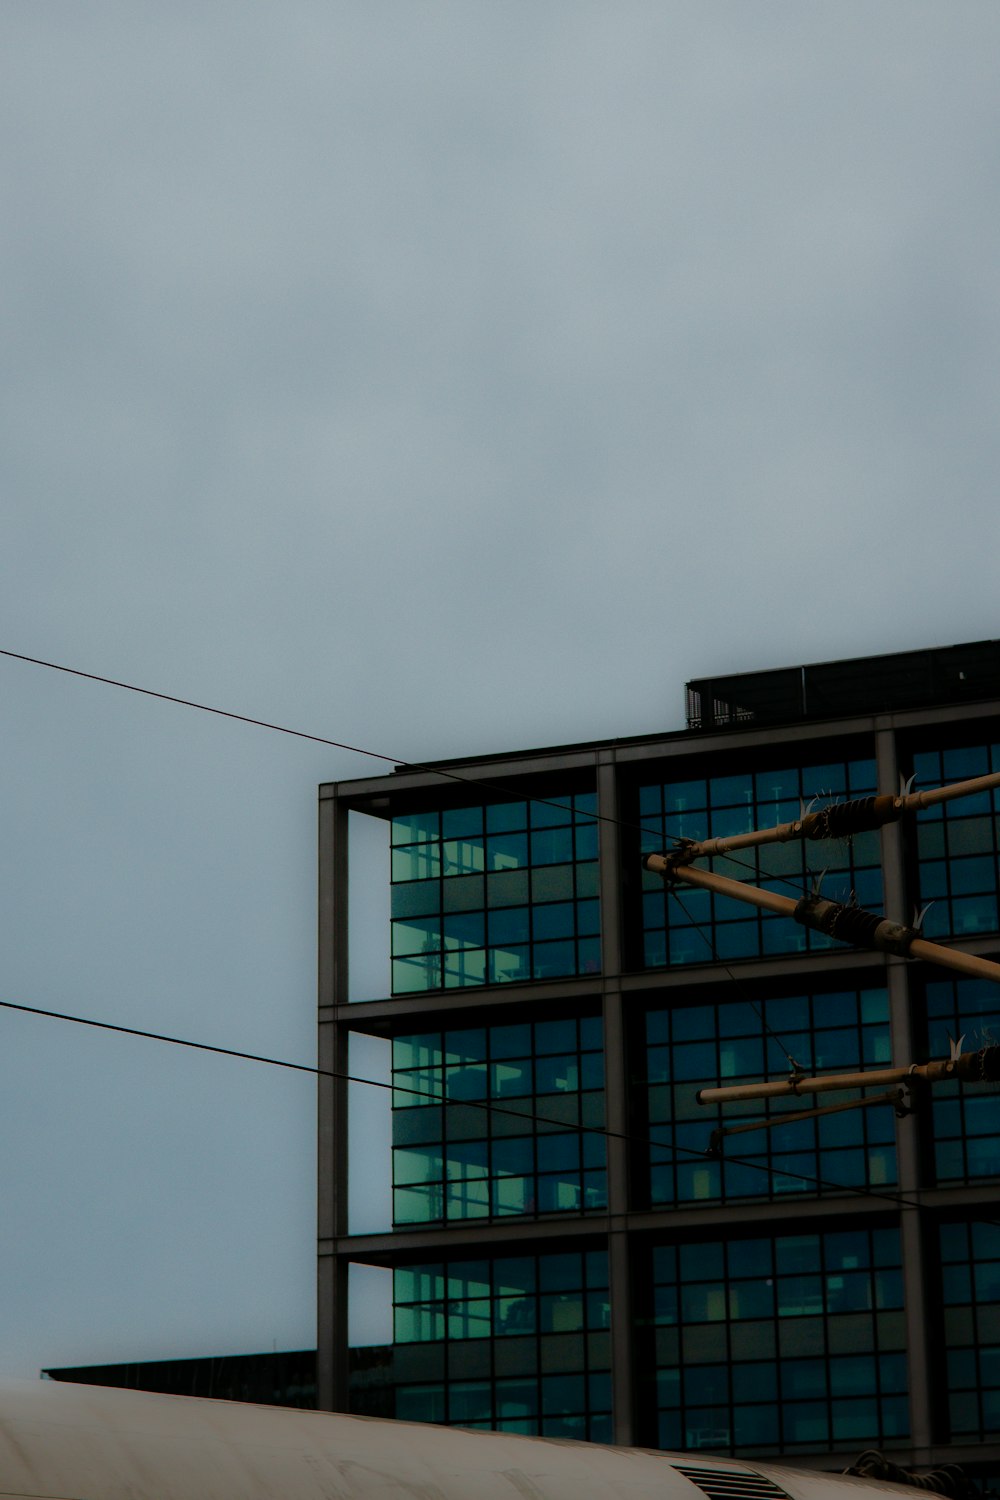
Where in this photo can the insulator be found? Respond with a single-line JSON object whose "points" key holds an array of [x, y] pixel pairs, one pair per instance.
{"points": [[853, 925], [842, 819]]}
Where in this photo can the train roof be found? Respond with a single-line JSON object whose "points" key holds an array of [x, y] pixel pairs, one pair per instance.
{"points": [[80, 1442]]}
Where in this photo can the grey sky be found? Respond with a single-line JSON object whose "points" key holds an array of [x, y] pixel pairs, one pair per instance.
{"points": [[442, 378]]}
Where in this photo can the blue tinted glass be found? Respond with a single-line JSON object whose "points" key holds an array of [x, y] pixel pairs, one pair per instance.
{"points": [[650, 799], [461, 822], [416, 862], [701, 1262], [749, 1258], [974, 914], [692, 1024], [507, 851], [826, 782], [787, 1015], [462, 856], [736, 939], [586, 841], [510, 1041], [503, 816], [847, 1251], [420, 1403], [416, 936], [696, 1060], [591, 1033], [775, 786], [555, 1036], [551, 813], [554, 921], [558, 1273], [511, 1079], [965, 763], [927, 767], [874, 1005], [742, 1057], [557, 1153], [729, 790], [592, 1070], [416, 828], [509, 924], [985, 1240], [798, 1253], [513, 1156], [551, 846], [972, 874], [464, 930], [756, 1381], [725, 822], [680, 796], [706, 1384], [654, 947], [467, 1045], [862, 777]]}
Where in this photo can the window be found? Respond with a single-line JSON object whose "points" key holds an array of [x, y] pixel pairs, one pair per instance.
{"points": [[515, 1343], [970, 1273], [957, 843], [691, 1047], [964, 1120], [779, 1344], [500, 1121], [489, 895], [693, 926]]}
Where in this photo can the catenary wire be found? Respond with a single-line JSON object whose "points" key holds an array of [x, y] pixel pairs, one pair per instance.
{"points": [[640, 827], [488, 1105], [319, 739], [411, 766], [451, 776]]}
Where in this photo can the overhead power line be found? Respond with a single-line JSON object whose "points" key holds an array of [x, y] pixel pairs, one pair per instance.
{"points": [[675, 1150], [319, 739], [373, 754], [478, 782]]}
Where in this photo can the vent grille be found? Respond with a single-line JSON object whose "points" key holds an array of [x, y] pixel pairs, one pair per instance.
{"points": [[733, 1484]]}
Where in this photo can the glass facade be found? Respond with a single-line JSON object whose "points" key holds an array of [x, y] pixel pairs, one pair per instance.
{"points": [[758, 1285], [789, 1343], [517, 1343], [539, 1148], [964, 1118], [957, 843], [496, 893], [695, 927], [970, 1274], [690, 1047]]}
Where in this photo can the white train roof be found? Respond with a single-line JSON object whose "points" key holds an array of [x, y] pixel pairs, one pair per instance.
{"points": [[82, 1442]]}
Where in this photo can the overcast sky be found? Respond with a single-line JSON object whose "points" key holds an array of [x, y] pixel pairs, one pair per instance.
{"points": [[440, 377]]}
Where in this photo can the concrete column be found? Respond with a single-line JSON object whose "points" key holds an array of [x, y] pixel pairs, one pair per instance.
{"points": [[897, 905], [610, 865], [616, 1106], [332, 1363], [331, 1329], [619, 1259]]}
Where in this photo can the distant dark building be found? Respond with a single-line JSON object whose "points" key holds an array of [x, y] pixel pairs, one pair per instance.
{"points": [[287, 1379], [828, 1285]]}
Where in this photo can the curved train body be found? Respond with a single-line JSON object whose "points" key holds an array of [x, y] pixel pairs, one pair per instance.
{"points": [[75, 1442]]}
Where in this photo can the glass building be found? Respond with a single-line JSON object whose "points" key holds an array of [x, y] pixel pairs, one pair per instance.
{"points": [[567, 1253]]}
